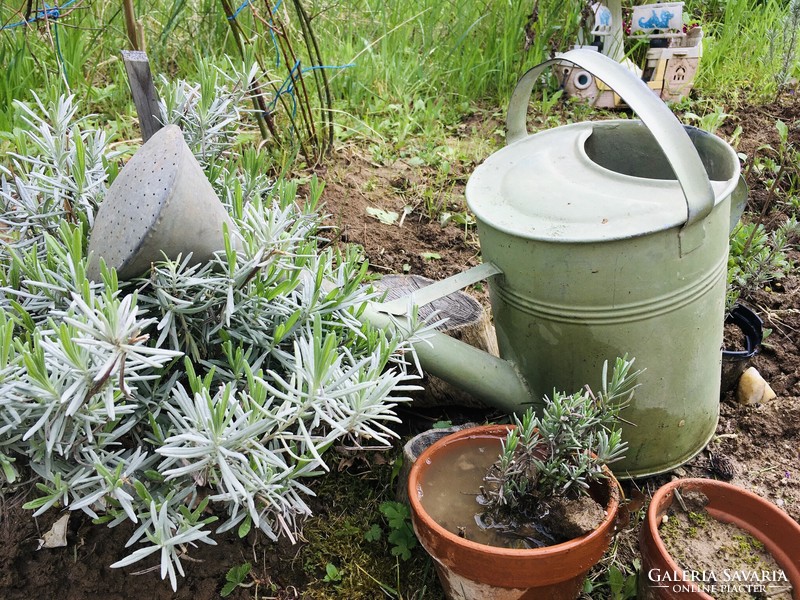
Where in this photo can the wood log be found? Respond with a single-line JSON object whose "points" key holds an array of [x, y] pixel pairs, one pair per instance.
{"points": [[463, 319]]}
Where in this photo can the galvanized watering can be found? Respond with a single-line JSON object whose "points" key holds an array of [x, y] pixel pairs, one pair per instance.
{"points": [[600, 239]]}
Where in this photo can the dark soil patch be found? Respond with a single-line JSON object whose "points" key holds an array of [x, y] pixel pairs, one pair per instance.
{"points": [[80, 571], [354, 184], [733, 339], [760, 445]]}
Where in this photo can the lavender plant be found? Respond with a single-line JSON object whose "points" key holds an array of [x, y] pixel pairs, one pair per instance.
{"points": [[757, 258], [210, 112], [62, 177], [195, 395], [783, 44], [561, 452]]}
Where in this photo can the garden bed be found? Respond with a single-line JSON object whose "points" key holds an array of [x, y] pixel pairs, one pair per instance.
{"points": [[760, 444]]}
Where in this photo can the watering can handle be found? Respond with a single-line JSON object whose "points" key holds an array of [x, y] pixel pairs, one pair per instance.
{"points": [[665, 127]]}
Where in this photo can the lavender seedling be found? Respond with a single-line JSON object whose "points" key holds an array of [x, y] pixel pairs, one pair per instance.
{"points": [[561, 452]]}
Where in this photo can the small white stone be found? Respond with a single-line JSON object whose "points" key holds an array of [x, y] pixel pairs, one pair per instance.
{"points": [[779, 502], [751, 387]]}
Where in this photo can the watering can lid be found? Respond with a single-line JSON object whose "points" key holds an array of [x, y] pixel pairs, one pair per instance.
{"points": [[547, 187]]}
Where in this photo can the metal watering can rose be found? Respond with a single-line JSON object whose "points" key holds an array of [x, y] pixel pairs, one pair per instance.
{"points": [[160, 205], [600, 239]]}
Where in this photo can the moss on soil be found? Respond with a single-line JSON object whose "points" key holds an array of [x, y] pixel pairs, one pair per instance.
{"points": [[346, 507], [745, 548]]}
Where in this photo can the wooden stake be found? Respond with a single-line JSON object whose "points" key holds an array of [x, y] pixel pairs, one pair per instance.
{"points": [[131, 25], [144, 93]]}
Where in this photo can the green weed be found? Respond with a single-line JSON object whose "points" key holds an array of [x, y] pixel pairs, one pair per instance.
{"points": [[757, 258], [779, 166], [332, 573], [401, 534], [236, 577], [619, 583], [710, 121]]}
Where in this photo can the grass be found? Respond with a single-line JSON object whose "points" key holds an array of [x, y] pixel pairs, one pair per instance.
{"points": [[737, 63], [416, 67]]}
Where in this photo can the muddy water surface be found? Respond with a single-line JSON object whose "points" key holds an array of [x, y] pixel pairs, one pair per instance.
{"points": [[452, 484]]}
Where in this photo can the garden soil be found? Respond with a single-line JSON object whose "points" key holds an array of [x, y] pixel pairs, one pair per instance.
{"points": [[757, 446]]}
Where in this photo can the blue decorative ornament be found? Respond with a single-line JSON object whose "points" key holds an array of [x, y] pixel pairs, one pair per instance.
{"points": [[656, 20], [604, 16]]}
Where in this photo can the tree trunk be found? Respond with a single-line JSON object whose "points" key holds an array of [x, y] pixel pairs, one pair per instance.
{"points": [[466, 320]]}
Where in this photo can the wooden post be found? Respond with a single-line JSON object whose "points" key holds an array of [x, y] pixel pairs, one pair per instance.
{"points": [[133, 27], [144, 93]]}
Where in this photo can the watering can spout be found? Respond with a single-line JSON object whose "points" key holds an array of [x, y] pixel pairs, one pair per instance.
{"points": [[495, 381]]}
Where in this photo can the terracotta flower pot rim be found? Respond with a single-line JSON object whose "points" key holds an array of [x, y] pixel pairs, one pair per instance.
{"points": [[497, 432], [694, 483]]}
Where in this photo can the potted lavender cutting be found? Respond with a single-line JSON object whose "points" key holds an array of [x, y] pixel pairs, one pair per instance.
{"points": [[543, 506]]}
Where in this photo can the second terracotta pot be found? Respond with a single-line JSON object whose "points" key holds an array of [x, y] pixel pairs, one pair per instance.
{"points": [[661, 578], [473, 571]]}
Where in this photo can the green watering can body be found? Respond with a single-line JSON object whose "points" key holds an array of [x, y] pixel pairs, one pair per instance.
{"points": [[561, 308], [603, 239]]}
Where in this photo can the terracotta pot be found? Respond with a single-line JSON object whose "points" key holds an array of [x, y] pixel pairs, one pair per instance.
{"points": [[779, 533], [472, 571]]}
